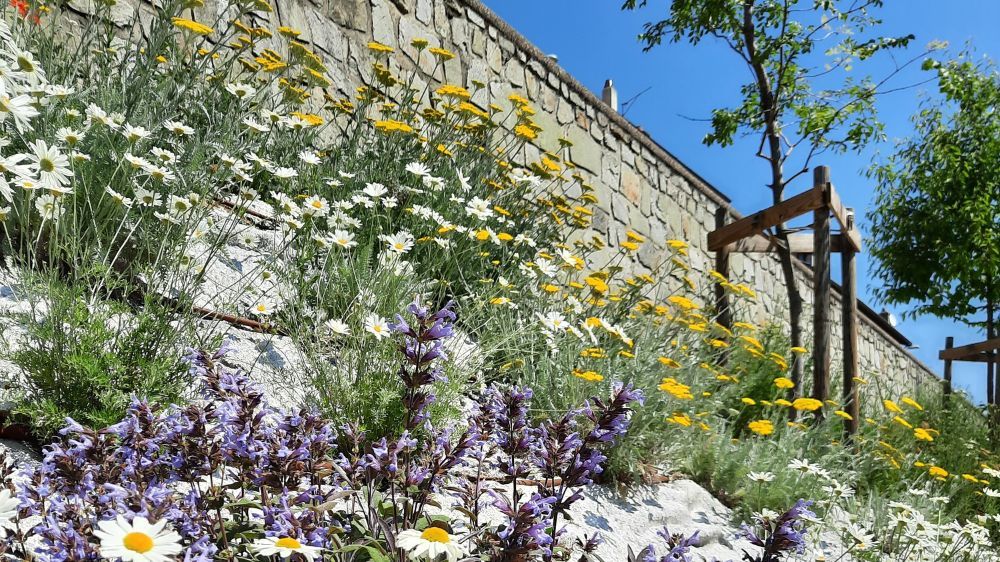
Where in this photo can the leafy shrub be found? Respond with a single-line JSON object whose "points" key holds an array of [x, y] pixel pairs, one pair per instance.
{"points": [[85, 358]]}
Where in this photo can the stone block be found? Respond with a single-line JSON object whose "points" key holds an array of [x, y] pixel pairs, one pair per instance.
{"points": [[585, 152], [383, 23], [424, 11], [351, 14], [631, 186]]}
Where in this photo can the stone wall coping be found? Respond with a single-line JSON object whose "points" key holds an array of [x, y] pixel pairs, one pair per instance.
{"points": [[638, 135]]}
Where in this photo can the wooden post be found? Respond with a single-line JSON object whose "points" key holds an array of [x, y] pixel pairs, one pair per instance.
{"points": [[725, 314], [849, 306], [821, 288], [949, 342]]}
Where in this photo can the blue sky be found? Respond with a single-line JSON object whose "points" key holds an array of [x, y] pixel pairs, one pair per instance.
{"points": [[595, 41]]}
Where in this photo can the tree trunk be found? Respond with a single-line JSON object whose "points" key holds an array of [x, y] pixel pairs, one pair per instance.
{"points": [[990, 367], [769, 107], [991, 396]]}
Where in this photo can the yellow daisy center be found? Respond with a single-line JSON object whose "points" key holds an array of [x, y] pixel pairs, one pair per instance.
{"points": [[138, 542], [435, 534], [288, 542]]}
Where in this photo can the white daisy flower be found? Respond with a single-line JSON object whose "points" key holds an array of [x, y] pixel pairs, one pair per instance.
{"points": [[148, 198], [479, 208], [51, 165], [338, 327], [285, 173], [463, 180], [138, 541], [430, 544], [418, 169], [135, 134], [255, 125], [760, 477], [285, 547], [178, 128], [375, 190], [343, 238], [309, 157], [241, 90], [377, 326], [159, 173], [263, 308], [315, 206], [398, 243], [164, 156], [68, 136], [48, 207]]}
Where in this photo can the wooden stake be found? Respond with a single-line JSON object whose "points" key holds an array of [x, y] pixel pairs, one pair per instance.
{"points": [[849, 306], [949, 342], [821, 288], [722, 266]]}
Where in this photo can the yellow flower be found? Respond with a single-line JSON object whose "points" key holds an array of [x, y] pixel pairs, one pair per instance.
{"points": [[669, 362], [680, 419], [892, 407], [676, 389], [630, 246], [753, 341], [191, 25], [922, 434], [419, 43], [683, 302], [391, 126], [525, 132], [450, 90], [589, 376], [784, 383], [761, 427], [798, 349], [938, 472], [518, 101], [635, 237], [902, 422], [377, 47], [911, 403], [748, 401], [844, 415], [597, 284], [443, 54], [782, 402], [807, 404]]}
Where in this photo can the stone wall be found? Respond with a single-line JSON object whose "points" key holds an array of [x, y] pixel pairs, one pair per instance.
{"points": [[641, 186]]}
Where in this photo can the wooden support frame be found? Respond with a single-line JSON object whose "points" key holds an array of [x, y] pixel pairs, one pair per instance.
{"points": [[750, 235], [979, 352]]}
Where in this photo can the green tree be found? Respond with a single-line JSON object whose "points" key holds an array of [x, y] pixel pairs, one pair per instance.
{"points": [[798, 101], [936, 225]]}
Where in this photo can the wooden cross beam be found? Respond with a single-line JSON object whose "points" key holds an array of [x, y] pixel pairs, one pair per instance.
{"points": [[970, 352], [799, 244], [979, 352], [820, 196]]}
